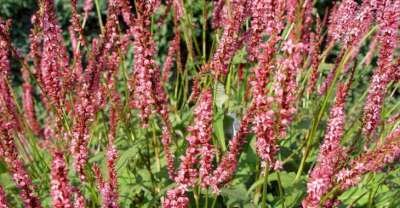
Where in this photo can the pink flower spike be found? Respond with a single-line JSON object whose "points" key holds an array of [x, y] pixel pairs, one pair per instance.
{"points": [[199, 145], [387, 37], [330, 155], [60, 187], [371, 161], [176, 198], [229, 42]]}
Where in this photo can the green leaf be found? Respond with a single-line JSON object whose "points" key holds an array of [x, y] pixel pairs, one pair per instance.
{"points": [[236, 196], [219, 129], [220, 95], [294, 191], [126, 156]]}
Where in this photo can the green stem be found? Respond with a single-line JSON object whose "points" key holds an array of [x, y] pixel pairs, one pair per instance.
{"points": [[333, 192], [96, 2], [316, 121], [196, 197], [370, 198], [281, 191], [214, 201], [265, 186], [204, 30], [206, 203], [357, 199]]}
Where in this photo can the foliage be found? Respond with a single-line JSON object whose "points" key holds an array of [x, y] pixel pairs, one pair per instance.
{"points": [[143, 178]]}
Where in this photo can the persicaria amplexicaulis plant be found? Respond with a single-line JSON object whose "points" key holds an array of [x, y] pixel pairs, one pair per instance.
{"points": [[184, 103]]}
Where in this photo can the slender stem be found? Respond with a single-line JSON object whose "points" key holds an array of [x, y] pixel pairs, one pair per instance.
{"points": [[281, 192], [148, 166], [265, 186], [214, 201], [333, 192], [204, 30], [156, 148], [196, 196], [96, 2], [318, 117], [206, 203], [357, 199], [370, 198], [258, 188]]}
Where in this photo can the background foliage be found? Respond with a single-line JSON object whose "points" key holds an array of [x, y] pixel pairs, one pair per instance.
{"points": [[141, 166]]}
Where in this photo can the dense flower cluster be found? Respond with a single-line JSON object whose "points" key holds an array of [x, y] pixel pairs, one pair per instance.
{"points": [[264, 118], [219, 11], [263, 22], [339, 23], [387, 37], [79, 199], [85, 107], [6, 97], [54, 59], [199, 149], [286, 83], [230, 42], [176, 198], [144, 66], [331, 153], [60, 187]]}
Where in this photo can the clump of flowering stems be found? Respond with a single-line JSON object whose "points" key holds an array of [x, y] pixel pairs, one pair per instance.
{"points": [[285, 51], [10, 125], [160, 81], [385, 153], [104, 60], [85, 108], [109, 188], [264, 118], [148, 82], [225, 170]]}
